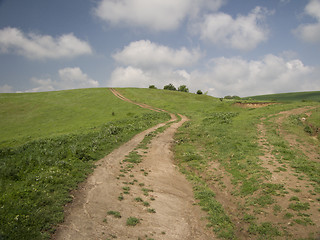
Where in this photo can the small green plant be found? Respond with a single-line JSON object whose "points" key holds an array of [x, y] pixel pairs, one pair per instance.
{"points": [[151, 210], [120, 197], [264, 200], [146, 204], [276, 209], [308, 129], [288, 216], [133, 157], [114, 213], [304, 221], [265, 229], [138, 199], [294, 198], [132, 221], [248, 218], [296, 190], [299, 206], [146, 191]]}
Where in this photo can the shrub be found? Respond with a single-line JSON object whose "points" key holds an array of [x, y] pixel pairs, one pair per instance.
{"points": [[132, 221], [170, 87], [308, 129], [183, 88], [152, 87], [114, 213], [199, 92]]}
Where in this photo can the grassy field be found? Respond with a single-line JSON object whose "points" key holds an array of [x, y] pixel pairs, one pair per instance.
{"points": [[219, 152], [28, 116], [49, 143], [289, 97]]}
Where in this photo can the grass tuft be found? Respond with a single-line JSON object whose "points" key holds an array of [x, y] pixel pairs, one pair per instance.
{"points": [[132, 221]]}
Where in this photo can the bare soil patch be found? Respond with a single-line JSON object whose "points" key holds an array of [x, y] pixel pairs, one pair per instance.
{"points": [[153, 192]]}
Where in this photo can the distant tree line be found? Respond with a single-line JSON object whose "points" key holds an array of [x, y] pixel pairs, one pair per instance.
{"points": [[232, 97], [184, 88], [171, 87]]}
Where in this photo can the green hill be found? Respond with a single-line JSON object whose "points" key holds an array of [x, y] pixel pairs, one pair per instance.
{"points": [[288, 97], [50, 141], [28, 116]]}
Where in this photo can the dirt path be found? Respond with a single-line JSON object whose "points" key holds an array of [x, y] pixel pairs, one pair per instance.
{"points": [[153, 191], [297, 185], [312, 152]]}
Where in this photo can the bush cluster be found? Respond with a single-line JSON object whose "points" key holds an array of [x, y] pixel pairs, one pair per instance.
{"points": [[170, 86]]}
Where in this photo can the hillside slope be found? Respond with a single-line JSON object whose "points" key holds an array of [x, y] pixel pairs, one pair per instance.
{"points": [[28, 116], [289, 97]]}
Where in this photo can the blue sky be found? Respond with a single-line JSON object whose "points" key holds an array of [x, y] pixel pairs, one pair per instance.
{"points": [[223, 47]]}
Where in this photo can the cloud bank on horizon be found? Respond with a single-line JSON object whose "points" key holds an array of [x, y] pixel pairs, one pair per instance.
{"points": [[212, 45]]}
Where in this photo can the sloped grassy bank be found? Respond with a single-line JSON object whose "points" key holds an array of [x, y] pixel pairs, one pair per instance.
{"points": [[36, 177]]}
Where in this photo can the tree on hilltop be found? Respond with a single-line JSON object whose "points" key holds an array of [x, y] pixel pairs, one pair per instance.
{"points": [[183, 88], [170, 87], [152, 87]]}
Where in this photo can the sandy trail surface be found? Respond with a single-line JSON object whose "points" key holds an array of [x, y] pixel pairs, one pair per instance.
{"points": [[152, 191]]}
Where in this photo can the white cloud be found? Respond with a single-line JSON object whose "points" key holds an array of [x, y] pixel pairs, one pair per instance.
{"points": [[272, 74], [75, 78], [35, 46], [136, 77], [145, 54], [284, 2], [157, 15], [146, 63], [243, 32], [129, 77], [42, 85], [313, 9], [69, 78], [227, 76], [310, 32], [6, 89]]}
